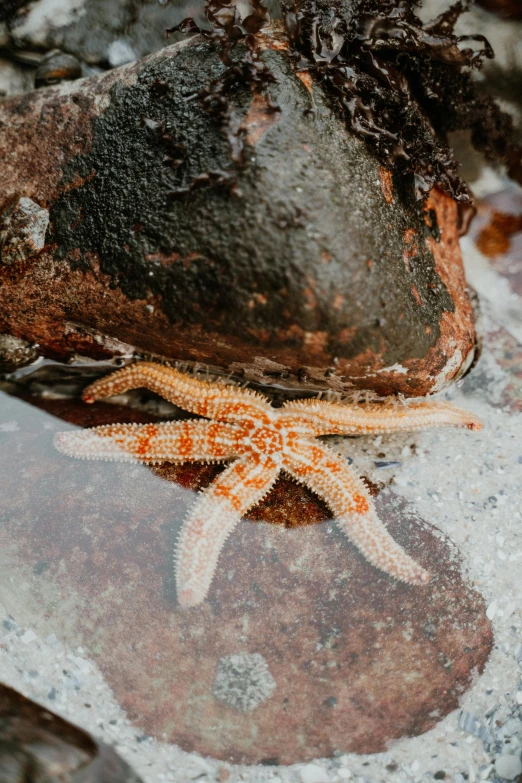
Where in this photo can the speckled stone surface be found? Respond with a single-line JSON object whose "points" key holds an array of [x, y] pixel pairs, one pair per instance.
{"points": [[342, 658]]}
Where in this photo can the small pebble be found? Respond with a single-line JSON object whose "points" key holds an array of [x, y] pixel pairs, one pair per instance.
{"points": [[28, 637], [508, 767], [472, 725], [120, 52], [312, 773], [207, 769], [83, 665]]}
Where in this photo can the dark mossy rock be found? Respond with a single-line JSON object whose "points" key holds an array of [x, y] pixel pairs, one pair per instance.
{"points": [[324, 273]]}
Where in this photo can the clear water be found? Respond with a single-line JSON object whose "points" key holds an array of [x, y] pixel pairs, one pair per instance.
{"points": [[302, 649]]}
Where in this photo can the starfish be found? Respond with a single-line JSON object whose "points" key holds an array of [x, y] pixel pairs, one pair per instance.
{"points": [[262, 441]]}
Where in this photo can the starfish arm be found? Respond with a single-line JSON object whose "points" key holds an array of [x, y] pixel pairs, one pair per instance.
{"points": [[213, 400], [324, 418], [169, 441], [328, 475], [214, 516]]}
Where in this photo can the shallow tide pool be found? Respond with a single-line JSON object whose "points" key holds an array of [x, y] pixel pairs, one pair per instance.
{"points": [[305, 663]]}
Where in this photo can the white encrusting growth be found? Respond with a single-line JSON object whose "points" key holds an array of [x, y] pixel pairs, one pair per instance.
{"points": [[263, 441]]}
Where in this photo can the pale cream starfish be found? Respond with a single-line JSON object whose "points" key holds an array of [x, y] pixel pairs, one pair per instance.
{"points": [[262, 441]]}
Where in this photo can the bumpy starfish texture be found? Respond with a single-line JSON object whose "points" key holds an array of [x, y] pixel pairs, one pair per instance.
{"points": [[262, 441]]}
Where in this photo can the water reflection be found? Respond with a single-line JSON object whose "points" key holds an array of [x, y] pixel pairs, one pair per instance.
{"points": [[302, 647]]}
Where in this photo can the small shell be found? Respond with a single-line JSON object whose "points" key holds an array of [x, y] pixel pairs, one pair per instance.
{"points": [[23, 226], [57, 67]]}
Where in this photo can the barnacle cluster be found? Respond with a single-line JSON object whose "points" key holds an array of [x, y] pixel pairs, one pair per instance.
{"points": [[399, 83]]}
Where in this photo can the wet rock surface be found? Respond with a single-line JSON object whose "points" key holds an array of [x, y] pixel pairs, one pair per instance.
{"points": [[302, 648], [15, 353], [324, 275], [37, 746], [23, 226]]}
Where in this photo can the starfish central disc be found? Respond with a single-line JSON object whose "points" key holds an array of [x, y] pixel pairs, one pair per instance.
{"points": [[266, 440]]}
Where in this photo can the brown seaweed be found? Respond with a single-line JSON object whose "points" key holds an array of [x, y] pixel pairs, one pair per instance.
{"points": [[399, 84]]}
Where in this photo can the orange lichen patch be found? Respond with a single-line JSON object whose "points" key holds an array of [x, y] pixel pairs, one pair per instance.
{"points": [[495, 238], [338, 301], [309, 295], [306, 79], [316, 341], [78, 181], [346, 335], [274, 37], [259, 299], [167, 259], [411, 246], [417, 296], [456, 328], [409, 236], [260, 118], [386, 180]]}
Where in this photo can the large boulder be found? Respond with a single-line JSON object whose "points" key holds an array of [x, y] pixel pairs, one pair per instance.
{"points": [[322, 273]]}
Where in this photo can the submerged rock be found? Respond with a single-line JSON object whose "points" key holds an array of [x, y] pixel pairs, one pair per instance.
{"points": [[302, 649], [322, 273]]}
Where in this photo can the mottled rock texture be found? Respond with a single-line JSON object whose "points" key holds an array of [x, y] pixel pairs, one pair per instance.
{"points": [[303, 648], [325, 274], [15, 353]]}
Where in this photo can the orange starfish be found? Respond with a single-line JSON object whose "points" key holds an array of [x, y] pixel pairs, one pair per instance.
{"points": [[262, 441]]}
